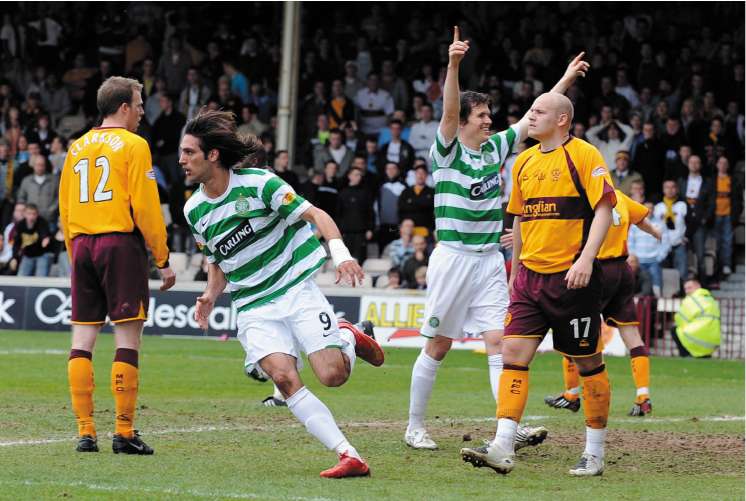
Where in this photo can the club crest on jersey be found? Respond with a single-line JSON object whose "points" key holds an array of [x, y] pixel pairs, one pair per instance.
{"points": [[288, 198], [242, 206], [237, 239], [488, 158], [555, 175], [485, 187], [434, 322]]}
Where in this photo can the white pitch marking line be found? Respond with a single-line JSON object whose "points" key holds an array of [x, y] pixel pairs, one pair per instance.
{"points": [[372, 424], [25, 351], [150, 490]]}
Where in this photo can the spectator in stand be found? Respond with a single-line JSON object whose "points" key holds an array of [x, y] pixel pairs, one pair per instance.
{"points": [[149, 78], [336, 150], [411, 178], [31, 239], [371, 156], [250, 123], [397, 150], [649, 158], [419, 258], [622, 176], [672, 212], [239, 82], [355, 216], [643, 282], [672, 138], [42, 134], [679, 167], [283, 170], [374, 105], [422, 135], [728, 206], [352, 83], [624, 88], [40, 190], [394, 85], [310, 188], [354, 140], [328, 192], [650, 251], [166, 136], [226, 99], [402, 248], [610, 138], [174, 65], [7, 254], [6, 185], [341, 110], [55, 98], [394, 276], [60, 255], [420, 278], [384, 135], [700, 199], [387, 205], [418, 203], [194, 95], [153, 102]]}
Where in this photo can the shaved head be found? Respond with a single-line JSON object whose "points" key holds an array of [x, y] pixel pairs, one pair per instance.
{"points": [[550, 117], [559, 103]]}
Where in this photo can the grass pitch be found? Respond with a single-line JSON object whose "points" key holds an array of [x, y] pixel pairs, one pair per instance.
{"points": [[213, 439]]}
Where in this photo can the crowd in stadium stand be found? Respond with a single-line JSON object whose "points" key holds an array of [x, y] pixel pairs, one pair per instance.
{"points": [[663, 102]]}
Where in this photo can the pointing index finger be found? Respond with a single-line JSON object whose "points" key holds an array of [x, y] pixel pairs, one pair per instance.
{"points": [[456, 34]]}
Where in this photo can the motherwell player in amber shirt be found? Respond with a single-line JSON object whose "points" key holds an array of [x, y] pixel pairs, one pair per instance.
{"points": [[109, 211], [618, 306], [562, 200]]}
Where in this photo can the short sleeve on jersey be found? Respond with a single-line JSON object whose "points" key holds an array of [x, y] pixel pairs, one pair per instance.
{"points": [[280, 197]]}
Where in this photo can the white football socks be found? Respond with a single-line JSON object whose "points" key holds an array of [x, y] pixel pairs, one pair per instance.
{"points": [[348, 345], [423, 378], [319, 421], [594, 441], [505, 436], [495, 366]]}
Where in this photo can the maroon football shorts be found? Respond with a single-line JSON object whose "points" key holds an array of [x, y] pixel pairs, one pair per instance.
{"points": [[618, 303], [109, 277], [542, 301]]}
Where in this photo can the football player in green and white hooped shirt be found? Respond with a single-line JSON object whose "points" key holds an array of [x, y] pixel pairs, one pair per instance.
{"points": [[255, 232], [467, 290]]}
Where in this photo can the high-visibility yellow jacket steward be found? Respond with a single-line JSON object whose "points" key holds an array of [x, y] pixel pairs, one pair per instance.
{"points": [[698, 323]]}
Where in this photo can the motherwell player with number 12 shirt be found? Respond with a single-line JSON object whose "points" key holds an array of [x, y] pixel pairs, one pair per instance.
{"points": [[110, 211]]}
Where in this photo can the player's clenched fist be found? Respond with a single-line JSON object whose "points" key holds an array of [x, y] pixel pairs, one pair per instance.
{"points": [[457, 50]]}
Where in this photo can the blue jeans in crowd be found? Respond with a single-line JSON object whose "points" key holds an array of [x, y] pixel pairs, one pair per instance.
{"points": [[723, 233], [655, 271], [35, 266]]}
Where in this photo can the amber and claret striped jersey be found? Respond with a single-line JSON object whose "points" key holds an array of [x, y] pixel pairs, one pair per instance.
{"points": [[555, 194], [108, 186], [626, 212]]}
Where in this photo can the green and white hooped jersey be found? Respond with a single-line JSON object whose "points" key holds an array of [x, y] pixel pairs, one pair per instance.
{"points": [[254, 233], [468, 212]]}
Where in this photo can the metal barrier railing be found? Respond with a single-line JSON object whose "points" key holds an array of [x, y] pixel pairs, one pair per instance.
{"points": [[657, 319]]}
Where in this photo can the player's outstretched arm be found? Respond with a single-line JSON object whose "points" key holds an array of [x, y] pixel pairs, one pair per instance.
{"points": [[451, 104], [344, 263], [579, 273], [216, 283]]}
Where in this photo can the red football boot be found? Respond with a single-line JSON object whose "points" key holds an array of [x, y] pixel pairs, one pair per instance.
{"points": [[348, 466], [366, 346]]}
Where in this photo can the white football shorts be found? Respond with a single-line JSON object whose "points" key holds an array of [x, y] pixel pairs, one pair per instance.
{"points": [[467, 293], [299, 321]]}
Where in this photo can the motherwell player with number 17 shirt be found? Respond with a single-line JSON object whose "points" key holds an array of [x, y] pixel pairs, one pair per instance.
{"points": [[110, 212]]}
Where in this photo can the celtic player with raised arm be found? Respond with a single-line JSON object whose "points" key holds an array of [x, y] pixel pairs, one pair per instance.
{"points": [[467, 290], [254, 230]]}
